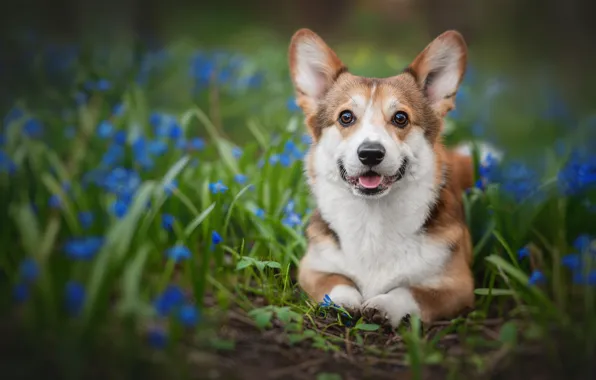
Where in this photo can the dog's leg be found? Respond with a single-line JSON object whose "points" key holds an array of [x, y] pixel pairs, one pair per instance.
{"points": [[320, 270], [339, 288], [440, 298]]}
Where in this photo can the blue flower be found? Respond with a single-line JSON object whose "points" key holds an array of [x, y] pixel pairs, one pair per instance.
{"points": [[188, 316], [83, 248], [105, 129], [292, 105], [581, 278], [167, 222], [162, 124], [120, 181], [33, 128], [523, 253], [103, 85], [120, 137], [141, 154], [217, 187], [479, 184], [55, 202], [290, 206], [572, 261], [158, 147], [171, 298], [215, 237], [29, 270], [175, 131], [196, 143], [6, 164], [582, 243], [178, 253], [20, 292], [578, 174], [327, 302], [113, 155], [306, 139], [273, 159], [237, 152], [86, 219], [74, 297], [240, 178], [155, 119], [260, 213], [118, 109], [157, 338], [119, 208], [292, 220], [537, 277], [285, 160]]}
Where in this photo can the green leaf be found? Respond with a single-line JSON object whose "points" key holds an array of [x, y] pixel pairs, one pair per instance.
{"points": [[174, 171], [367, 327], [286, 315], [131, 280], [222, 344], [508, 334], [493, 292], [198, 220], [273, 265], [231, 207], [262, 318], [244, 263], [28, 228]]}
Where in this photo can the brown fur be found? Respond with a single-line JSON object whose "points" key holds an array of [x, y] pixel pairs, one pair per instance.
{"points": [[453, 290]]}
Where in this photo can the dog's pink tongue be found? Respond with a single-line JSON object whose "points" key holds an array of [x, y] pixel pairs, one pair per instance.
{"points": [[370, 182]]}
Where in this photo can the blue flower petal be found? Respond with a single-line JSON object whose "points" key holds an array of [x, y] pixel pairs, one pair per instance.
{"points": [[188, 316], [74, 297], [178, 253]]}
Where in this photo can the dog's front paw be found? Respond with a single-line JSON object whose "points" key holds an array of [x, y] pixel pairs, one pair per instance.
{"points": [[347, 297], [390, 308]]}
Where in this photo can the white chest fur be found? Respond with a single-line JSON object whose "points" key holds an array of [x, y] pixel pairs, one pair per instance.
{"points": [[381, 247]]}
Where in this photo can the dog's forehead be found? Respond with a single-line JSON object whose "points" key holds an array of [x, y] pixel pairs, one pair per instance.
{"points": [[361, 90]]}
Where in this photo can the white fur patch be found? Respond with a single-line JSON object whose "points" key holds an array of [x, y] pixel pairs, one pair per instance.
{"points": [[380, 245], [346, 296], [394, 305]]}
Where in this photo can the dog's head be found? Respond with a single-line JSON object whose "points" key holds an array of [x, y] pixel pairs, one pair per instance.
{"points": [[369, 132]]}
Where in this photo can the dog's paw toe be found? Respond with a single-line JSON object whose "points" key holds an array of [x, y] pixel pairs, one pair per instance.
{"points": [[382, 310], [375, 315]]}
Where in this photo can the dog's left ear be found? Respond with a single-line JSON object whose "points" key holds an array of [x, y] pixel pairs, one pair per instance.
{"points": [[440, 68], [314, 68]]}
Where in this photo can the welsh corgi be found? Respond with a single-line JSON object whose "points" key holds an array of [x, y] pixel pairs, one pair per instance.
{"points": [[388, 238]]}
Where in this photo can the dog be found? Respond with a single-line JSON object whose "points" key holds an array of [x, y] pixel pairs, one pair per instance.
{"points": [[388, 237]]}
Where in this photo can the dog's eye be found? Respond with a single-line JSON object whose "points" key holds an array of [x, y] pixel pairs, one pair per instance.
{"points": [[400, 119], [346, 118]]}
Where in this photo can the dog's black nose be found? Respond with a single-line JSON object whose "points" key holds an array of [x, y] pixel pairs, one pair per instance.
{"points": [[371, 153]]}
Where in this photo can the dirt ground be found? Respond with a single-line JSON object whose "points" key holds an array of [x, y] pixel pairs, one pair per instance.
{"points": [[264, 355]]}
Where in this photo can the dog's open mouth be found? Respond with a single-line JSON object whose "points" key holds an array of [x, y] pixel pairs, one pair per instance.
{"points": [[371, 182]]}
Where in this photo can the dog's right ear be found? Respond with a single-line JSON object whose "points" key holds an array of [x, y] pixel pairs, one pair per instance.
{"points": [[313, 67]]}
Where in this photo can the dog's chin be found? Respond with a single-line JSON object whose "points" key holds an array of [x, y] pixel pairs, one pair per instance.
{"points": [[371, 184]]}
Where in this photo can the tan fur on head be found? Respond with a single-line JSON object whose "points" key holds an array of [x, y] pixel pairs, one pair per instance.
{"points": [[405, 249]]}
